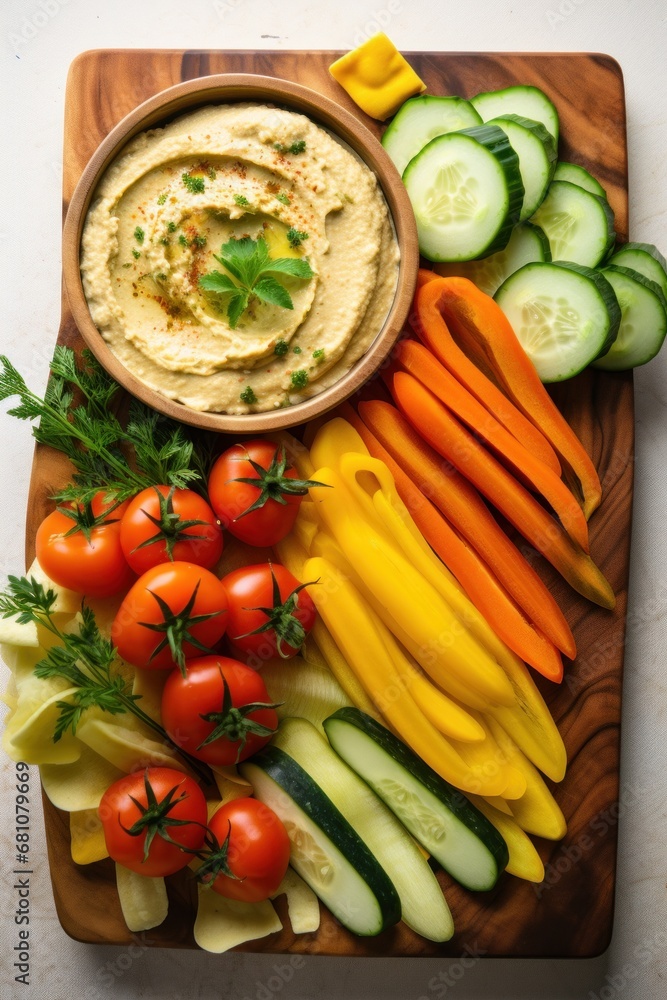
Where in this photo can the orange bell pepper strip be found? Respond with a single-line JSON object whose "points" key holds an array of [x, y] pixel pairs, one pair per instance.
{"points": [[463, 507], [472, 573], [429, 325], [418, 361], [444, 433], [486, 336]]}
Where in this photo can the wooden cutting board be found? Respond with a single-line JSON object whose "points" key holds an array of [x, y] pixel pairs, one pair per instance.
{"points": [[571, 913]]}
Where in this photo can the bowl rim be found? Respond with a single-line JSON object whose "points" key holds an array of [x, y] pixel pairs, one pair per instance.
{"points": [[187, 96]]}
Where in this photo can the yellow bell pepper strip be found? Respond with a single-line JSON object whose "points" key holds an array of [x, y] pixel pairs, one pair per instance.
{"points": [[342, 610], [442, 431], [526, 467], [293, 557], [487, 338], [407, 597], [524, 860], [536, 811], [482, 587], [377, 77], [499, 803], [488, 756]]}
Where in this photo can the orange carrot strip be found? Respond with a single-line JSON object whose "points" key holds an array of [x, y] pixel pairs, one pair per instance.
{"points": [[444, 433], [479, 583], [418, 361], [486, 333], [463, 507], [433, 331]]}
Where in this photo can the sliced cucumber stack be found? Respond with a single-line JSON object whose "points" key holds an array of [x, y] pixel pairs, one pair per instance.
{"points": [[563, 314], [437, 815], [643, 320], [423, 905], [466, 192], [326, 852], [529, 102], [644, 258], [575, 174], [536, 150], [421, 119], [527, 243], [578, 224]]}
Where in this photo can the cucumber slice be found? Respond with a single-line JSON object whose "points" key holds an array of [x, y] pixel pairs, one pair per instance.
{"points": [[643, 320], [326, 852], [564, 315], [575, 174], [579, 225], [536, 150], [527, 243], [421, 119], [466, 192], [423, 905], [438, 815], [530, 102], [644, 258]]}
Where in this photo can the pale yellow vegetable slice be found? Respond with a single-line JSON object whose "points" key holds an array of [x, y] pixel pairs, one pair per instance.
{"points": [[223, 923], [79, 786], [125, 748], [303, 689], [231, 785], [303, 906], [143, 900], [524, 861], [29, 730], [87, 837], [149, 685], [67, 601], [15, 633]]}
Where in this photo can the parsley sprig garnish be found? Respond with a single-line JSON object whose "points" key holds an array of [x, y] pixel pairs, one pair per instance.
{"points": [[253, 274], [123, 460]]}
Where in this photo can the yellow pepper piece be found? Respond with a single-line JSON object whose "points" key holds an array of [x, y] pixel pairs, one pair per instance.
{"points": [[524, 860], [87, 837], [377, 77], [345, 615], [489, 756]]}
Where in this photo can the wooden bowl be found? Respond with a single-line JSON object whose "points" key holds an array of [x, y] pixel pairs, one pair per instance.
{"points": [[226, 88]]}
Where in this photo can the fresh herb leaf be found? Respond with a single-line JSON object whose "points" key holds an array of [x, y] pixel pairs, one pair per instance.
{"points": [[295, 237], [295, 267], [270, 290], [139, 234], [136, 254], [183, 240], [198, 241], [212, 173], [283, 198], [248, 395], [319, 355], [241, 200], [282, 347], [297, 350], [296, 147], [171, 227], [299, 378], [195, 185], [162, 199]]}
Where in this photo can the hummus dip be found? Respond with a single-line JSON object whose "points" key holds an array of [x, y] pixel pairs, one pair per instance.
{"points": [[168, 203]]}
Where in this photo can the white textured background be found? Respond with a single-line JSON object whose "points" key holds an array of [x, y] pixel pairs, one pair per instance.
{"points": [[39, 38]]}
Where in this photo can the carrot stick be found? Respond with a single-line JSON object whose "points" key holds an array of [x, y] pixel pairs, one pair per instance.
{"points": [[462, 505], [418, 361], [477, 580], [444, 433], [485, 333], [432, 330]]}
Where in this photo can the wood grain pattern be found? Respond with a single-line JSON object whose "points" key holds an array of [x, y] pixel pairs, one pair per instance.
{"points": [[571, 913]]}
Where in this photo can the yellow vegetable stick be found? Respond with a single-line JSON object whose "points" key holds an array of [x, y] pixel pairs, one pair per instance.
{"points": [[489, 756], [87, 842], [536, 811], [524, 861], [498, 803], [344, 614], [407, 598]]}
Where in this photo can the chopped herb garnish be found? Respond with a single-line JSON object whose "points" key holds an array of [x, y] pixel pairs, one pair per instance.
{"points": [[296, 147], [282, 347], [161, 199], [241, 200], [248, 396], [136, 254], [297, 350], [295, 237], [164, 240], [211, 173], [299, 378], [171, 227], [139, 234], [183, 240], [127, 265], [249, 263], [198, 241], [319, 355], [283, 198], [161, 277], [195, 185]]}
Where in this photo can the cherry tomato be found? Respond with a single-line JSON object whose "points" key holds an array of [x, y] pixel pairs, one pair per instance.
{"points": [[78, 547], [270, 612], [175, 610], [251, 864], [162, 524], [164, 797], [263, 514], [215, 697]]}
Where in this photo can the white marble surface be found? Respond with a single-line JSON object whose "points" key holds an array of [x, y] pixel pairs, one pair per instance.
{"points": [[39, 39]]}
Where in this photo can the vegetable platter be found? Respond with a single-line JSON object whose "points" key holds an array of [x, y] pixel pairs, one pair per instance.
{"points": [[570, 912]]}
